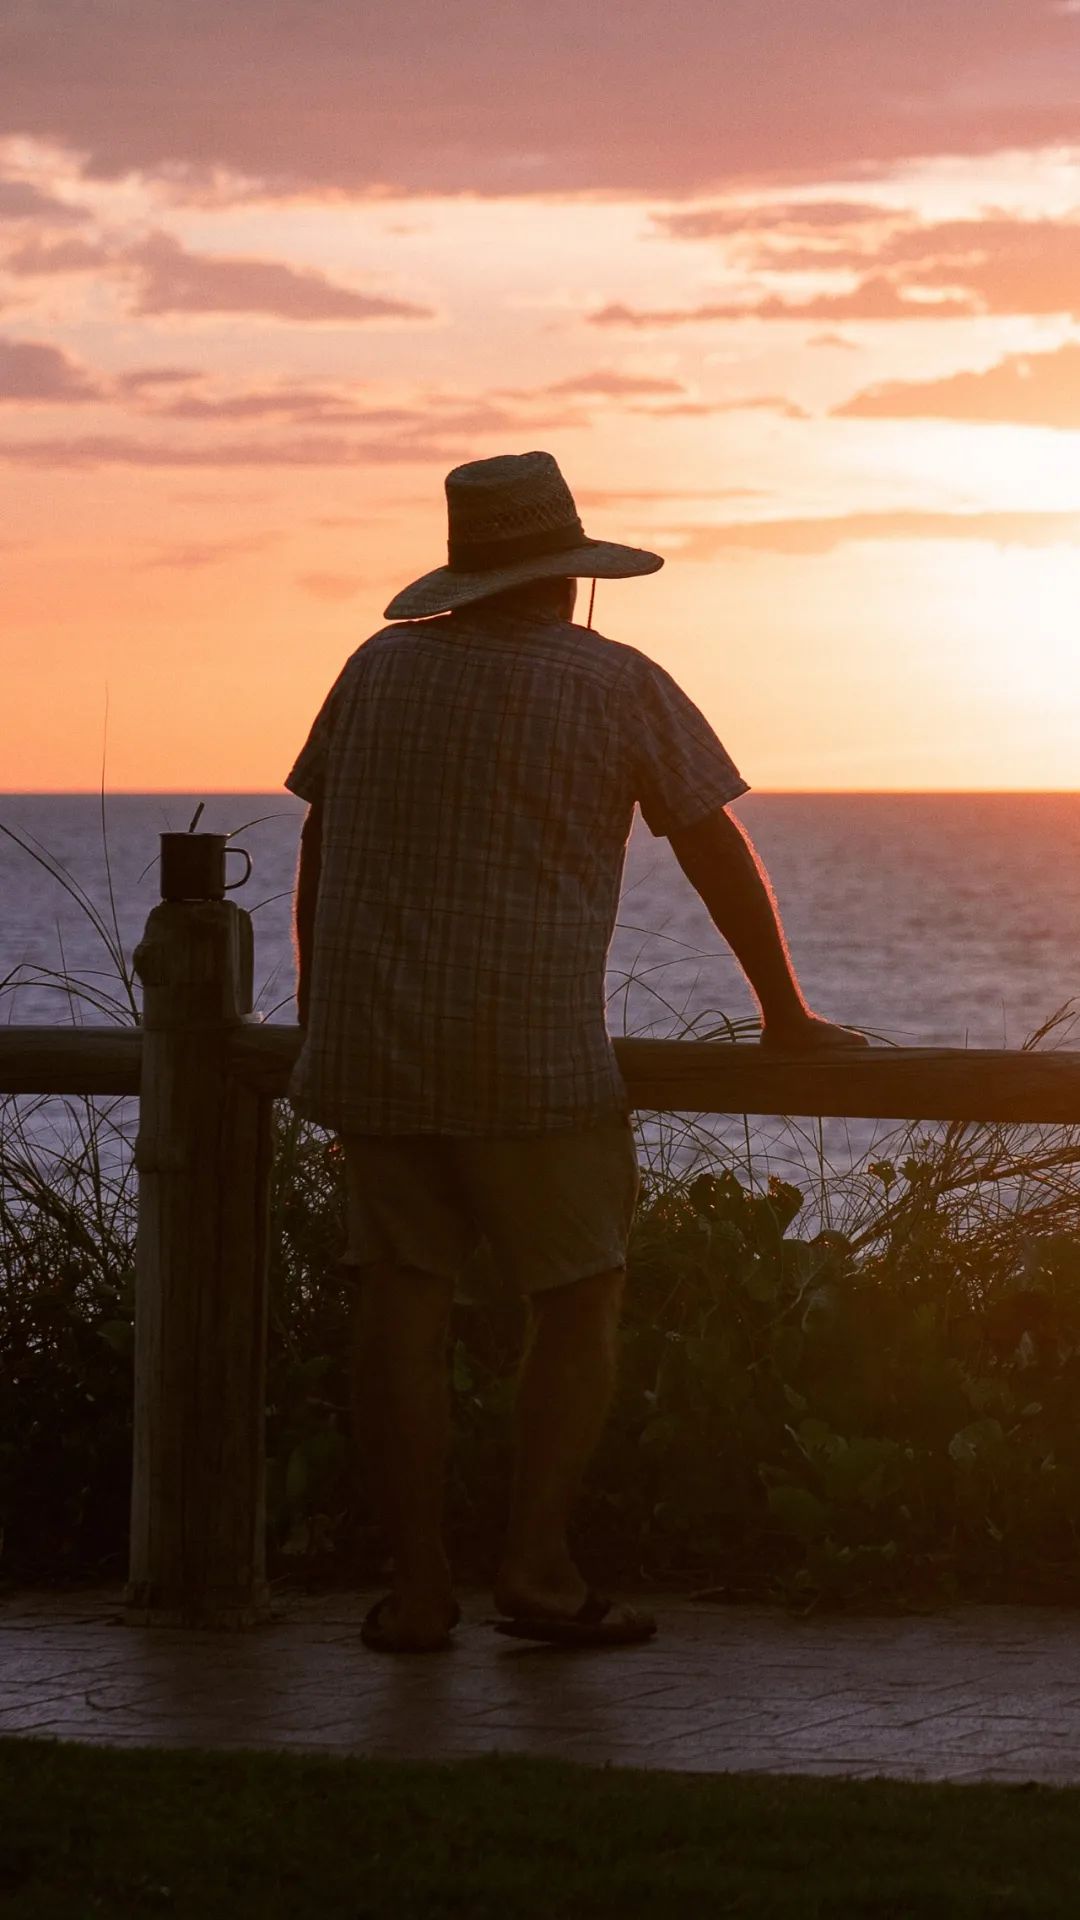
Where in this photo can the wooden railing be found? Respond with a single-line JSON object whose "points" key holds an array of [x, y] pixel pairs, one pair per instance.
{"points": [[673, 1076], [205, 1072]]}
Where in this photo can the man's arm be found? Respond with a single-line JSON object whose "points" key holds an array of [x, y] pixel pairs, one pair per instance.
{"points": [[307, 889], [721, 865]]}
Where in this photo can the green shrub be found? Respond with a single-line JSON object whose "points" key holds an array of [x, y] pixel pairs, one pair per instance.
{"points": [[877, 1408], [66, 1306], [883, 1413]]}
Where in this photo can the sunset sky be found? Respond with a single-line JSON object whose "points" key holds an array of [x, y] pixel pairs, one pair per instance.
{"points": [[791, 289]]}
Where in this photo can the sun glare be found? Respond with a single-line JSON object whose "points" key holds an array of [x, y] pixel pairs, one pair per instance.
{"points": [[1027, 604]]}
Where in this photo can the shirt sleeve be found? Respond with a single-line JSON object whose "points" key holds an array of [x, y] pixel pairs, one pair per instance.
{"points": [[682, 773], [307, 778]]}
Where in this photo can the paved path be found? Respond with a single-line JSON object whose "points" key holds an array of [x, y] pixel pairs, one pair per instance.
{"points": [[980, 1694]]}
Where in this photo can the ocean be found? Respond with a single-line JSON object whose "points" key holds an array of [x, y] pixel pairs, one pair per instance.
{"points": [[928, 919]]}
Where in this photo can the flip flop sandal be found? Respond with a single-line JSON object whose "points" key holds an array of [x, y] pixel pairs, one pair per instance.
{"points": [[590, 1626], [378, 1633]]}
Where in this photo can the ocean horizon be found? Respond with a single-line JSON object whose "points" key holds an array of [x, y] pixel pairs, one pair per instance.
{"points": [[942, 917], [838, 793], [927, 919]]}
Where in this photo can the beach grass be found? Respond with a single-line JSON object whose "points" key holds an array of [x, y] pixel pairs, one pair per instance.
{"points": [[878, 1414], [121, 1835], [853, 1387]]}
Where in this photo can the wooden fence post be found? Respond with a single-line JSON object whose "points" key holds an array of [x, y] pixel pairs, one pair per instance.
{"points": [[203, 1159]]}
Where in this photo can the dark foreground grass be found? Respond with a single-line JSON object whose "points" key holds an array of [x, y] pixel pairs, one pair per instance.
{"points": [[99, 1833]]}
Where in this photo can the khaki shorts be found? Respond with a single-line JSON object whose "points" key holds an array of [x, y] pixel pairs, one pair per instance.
{"points": [[553, 1207]]}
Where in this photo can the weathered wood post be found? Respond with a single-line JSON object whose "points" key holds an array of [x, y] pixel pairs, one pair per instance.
{"points": [[203, 1159]]}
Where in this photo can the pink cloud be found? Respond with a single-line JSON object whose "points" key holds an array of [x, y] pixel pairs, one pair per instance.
{"points": [[483, 417], [613, 384], [750, 403], [196, 554], [819, 536], [139, 378], [653, 496], [875, 298], [998, 263], [439, 414], [41, 256], [21, 200], [1007, 266], [793, 216], [331, 586], [33, 373], [300, 403], [104, 450], [165, 277], [904, 270], [172, 280], [1024, 389], [681, 96]]}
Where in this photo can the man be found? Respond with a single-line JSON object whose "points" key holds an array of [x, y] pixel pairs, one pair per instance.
{"points": [[472, 779]]}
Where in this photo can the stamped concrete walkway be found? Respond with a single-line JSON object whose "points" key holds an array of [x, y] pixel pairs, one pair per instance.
{"points": [[980, 1694]]}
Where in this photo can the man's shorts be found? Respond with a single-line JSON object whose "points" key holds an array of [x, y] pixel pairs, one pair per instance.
{"points": [[553, 1207]]}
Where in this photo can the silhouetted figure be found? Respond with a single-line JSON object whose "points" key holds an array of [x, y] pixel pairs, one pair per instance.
{"points": [[472, 779]]}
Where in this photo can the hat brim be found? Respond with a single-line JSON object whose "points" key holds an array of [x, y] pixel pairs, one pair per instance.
{"points": [[444, 588]]}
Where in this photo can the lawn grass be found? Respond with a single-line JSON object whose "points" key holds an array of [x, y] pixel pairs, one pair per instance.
{"points": [[98, 1833]]}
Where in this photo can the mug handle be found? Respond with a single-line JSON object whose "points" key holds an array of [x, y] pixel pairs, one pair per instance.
{"points": [[246, 875]]}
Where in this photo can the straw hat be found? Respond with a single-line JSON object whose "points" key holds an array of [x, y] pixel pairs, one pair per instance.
{"points": [[512, 519]]}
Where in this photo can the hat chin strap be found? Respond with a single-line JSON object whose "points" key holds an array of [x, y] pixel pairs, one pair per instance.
{"points": [[592, 602]]}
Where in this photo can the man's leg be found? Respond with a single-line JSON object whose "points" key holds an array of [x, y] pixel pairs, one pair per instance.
{"points": [[403, 1408], [564, 1394]]}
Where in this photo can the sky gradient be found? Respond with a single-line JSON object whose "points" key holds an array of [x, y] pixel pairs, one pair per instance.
{"points": [[791, 290]]}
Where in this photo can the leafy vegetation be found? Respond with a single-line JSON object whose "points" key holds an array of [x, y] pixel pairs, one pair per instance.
{"points": [[884, 1411], [858, 1388]]}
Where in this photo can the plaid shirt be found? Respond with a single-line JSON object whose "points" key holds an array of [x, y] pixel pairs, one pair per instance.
{"points": [[478, 775]]}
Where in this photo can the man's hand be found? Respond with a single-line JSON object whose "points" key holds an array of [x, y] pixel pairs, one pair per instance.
{"points": [[809, 1034]]}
